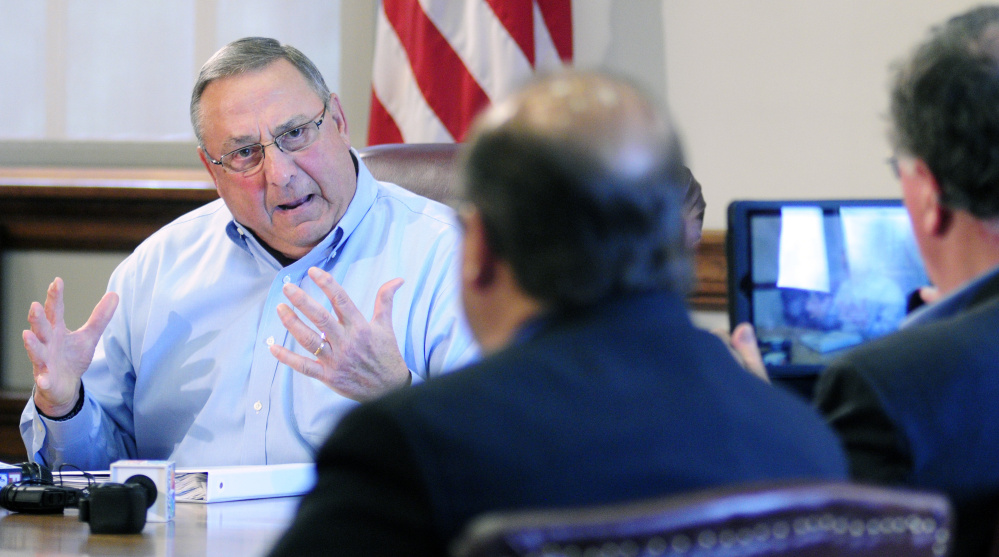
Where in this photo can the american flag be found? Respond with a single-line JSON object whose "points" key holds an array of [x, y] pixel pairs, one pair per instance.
{"points": [[438, 62]]}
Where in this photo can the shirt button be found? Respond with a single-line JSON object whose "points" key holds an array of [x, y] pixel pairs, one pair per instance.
{"points": [[286, 279], [270, 341], [257, 406]]}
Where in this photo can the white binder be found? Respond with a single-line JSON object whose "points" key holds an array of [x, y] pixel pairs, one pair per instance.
{"points": [[234, 483]]}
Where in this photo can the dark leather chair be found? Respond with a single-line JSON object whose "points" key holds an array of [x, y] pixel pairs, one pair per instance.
{"points": [[428, 169], [431, 170], [789, 520]]}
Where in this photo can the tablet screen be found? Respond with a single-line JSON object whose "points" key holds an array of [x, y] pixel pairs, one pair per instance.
{"points": [[819, 277]]}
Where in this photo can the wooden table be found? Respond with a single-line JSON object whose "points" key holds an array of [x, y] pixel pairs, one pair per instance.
{"points": [[238, 528]]}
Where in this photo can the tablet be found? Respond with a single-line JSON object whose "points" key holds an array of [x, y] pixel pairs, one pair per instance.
{"points": [[818, 277]]}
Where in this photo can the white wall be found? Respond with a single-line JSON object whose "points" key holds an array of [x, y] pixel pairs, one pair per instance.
{"points": [[775, 98], [788, 98], [123, 70]]}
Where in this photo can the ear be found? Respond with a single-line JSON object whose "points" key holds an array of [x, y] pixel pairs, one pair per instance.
{"points": [[479, 263], [934, 218], [208, 166], [335, 115]]}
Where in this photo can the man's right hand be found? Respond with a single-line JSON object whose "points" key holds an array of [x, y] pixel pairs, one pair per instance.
{"points": [[60, 356]]}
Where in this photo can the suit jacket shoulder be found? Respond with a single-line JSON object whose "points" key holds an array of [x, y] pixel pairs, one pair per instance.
{"points": [[617, 403], [369, 497], [918, 408]]}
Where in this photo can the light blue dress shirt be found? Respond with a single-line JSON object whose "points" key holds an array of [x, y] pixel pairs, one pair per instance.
{"points": [[184, 371]]}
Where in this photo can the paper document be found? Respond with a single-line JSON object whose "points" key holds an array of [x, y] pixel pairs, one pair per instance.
{"points": [[802, 259], [80, 480]]}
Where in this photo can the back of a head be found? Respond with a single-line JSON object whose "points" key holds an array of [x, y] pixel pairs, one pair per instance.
{"points": [[945, 110], [577, 181]]}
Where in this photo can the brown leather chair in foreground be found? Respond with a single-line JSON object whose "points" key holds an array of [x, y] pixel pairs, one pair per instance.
{"points": [[797, 520]]}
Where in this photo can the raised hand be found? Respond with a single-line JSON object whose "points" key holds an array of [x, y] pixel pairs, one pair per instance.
{"points": [[746, 351], [354, 357], [60, 356]]}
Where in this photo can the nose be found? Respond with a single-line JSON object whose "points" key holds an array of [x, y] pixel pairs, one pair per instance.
{"points": [[279, 167]]}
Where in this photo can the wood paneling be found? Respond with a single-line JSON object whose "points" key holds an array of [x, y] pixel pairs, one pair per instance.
{"points": [[11, 447], [92, 211], [711, 291]]}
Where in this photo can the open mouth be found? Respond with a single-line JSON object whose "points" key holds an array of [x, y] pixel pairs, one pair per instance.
{"points": [[296, 203]]}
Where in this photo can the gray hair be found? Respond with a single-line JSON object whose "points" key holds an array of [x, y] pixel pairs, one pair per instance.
{"points": [[248, 55], [945, 110]]}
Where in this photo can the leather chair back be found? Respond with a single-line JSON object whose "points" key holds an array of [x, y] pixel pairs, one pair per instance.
{"points": [[789, 520], [428, 169]]}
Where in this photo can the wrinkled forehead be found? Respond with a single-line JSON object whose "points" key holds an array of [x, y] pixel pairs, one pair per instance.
{"points": [[256, 105]]}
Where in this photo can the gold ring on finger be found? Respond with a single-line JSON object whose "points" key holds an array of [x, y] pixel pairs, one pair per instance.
{"points": [[322, 344]]}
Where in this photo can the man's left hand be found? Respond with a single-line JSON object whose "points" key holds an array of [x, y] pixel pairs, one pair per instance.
{"points": [[357, 358]]}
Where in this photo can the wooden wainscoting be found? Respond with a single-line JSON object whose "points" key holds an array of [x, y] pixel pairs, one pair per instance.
{"points": [[711, 291], [11, 447]]}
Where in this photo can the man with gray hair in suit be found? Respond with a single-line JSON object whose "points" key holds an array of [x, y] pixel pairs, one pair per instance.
{"points": [[918, 407]]}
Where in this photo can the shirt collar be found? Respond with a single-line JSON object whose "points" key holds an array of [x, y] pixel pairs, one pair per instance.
{"points": [[364, 198], [975, 291]]}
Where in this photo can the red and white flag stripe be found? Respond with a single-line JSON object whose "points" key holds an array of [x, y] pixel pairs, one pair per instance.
{"points": [[439, 62]]}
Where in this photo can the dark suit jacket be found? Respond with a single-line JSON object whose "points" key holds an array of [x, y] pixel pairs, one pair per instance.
{"points": [[620, 402], [921, 408]]}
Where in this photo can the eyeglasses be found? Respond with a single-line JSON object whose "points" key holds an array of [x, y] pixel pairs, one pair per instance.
{"points": [[893, 163], [248, 157]]}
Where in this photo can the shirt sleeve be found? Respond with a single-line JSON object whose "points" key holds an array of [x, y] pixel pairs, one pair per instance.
{"points": [[449, 343], [876, 450], [85, 441]]}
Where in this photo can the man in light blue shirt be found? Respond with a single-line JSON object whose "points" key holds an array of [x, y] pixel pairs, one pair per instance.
{"points": [[202, 360]]}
